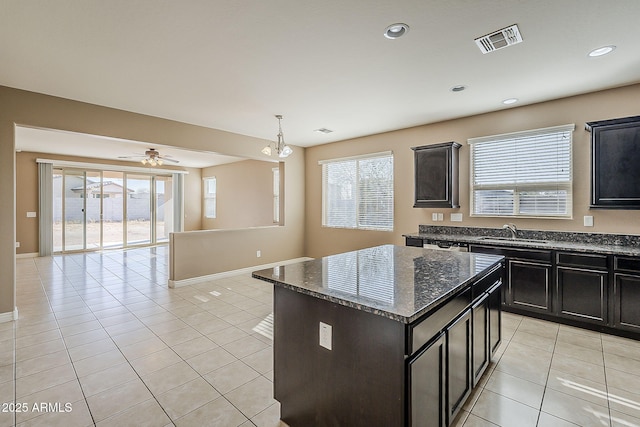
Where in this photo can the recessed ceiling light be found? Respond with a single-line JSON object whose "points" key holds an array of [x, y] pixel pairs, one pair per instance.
{"points": [[510, 101], [602, 51], [323, 130], [458, 88], [395, 31]]}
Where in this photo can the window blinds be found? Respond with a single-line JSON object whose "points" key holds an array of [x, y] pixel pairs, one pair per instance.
{"points": [[526, 174], [358, 192]]}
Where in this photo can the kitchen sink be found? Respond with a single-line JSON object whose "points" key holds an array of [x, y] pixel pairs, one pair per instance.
{"points": [[509, 239]]}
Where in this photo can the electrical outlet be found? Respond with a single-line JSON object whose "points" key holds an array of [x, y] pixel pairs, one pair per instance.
{"points": [[440, 216], [325, 335], [434, 216], [31, 214], [456, 217], [258, 254], [588, 221], [17, 244]]}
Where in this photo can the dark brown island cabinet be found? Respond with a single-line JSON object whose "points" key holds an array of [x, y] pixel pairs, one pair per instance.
{"points": [[384, 336]]}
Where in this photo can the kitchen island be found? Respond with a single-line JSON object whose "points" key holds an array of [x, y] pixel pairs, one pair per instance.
{"points": [[384, 336]]}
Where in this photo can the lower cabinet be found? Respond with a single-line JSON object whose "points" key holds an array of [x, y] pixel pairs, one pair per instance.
{"points": [[481, 351], [582, 287], [487, 321], [443, 373], [627, 302], [459, 382], [495, 318], [529, 285], [626, 294], [427, 374], [441, 376]]}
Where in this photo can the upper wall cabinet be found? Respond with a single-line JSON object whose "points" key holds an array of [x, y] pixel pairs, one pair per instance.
{"points": [[615, 160], [436, 175]]}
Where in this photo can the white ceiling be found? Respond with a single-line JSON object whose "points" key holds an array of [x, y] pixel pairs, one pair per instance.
{"points": [[233, 65], [100, 147]]}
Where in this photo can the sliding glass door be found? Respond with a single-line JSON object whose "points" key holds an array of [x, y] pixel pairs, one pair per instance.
{"points": [[113, 197], [93, 210]]}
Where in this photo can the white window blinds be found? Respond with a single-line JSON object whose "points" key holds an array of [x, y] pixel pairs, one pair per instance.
{"points": [[358, 192], [210, 192], [523, 174]]}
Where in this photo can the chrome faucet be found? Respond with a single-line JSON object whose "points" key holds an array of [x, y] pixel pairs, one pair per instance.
{"points": [[512, 228]]}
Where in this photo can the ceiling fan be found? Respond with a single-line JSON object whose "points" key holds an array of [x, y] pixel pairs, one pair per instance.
{"points": [[151, 157]]}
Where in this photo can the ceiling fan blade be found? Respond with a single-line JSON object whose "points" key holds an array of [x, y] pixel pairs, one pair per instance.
{"points": [[164, 159]]}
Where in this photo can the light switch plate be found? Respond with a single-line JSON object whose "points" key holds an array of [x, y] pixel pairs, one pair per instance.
{"points": [[325, 335], [434, 216], [31, 214], [440, 216], [588, 221], [456, 217]]}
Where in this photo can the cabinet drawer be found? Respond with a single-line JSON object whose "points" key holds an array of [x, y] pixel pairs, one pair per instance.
{"points": [[412, 241], [483, 285], [426, 328], [627, 264], [528, 254], [582, 260]]}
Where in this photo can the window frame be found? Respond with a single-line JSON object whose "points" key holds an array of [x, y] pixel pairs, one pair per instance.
{"points": [[519, 188], [276, 194], [356, 191], [210, 197]]}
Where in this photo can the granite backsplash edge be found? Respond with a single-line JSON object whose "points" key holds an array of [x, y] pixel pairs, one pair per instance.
{"points": [[559, 236]]}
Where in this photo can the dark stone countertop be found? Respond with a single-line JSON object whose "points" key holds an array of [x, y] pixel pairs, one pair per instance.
{"points": [[610, 244], [398, 282]]}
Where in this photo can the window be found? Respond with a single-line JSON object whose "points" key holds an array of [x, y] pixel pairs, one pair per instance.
{"points": [[358, 192], [276, 195], [210, 197], [523, 174]]}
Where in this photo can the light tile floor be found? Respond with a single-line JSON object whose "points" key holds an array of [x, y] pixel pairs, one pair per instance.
{"points": [[102, 341]]}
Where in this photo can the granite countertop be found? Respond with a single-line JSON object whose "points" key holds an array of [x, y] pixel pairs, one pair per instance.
{"points": [[566, 241], [398, 282]]}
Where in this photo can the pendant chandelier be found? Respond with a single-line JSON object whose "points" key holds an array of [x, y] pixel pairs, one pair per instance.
{"points": [[280, 147]]}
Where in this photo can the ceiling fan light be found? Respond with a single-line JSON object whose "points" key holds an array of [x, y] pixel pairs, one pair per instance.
{"points": [[286, 151], [160, 162], [152, 162], [143, 161], [267, 150]]}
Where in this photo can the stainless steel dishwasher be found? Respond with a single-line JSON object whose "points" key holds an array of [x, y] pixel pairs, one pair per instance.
{"points": [[447, 246]]}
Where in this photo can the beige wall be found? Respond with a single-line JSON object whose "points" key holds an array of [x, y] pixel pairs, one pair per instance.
{"points": [[244, 195], [620, 102], [208, 252], [27, 195], [33, 109]]}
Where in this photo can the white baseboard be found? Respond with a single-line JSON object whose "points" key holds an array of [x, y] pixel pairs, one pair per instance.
{"points": [[10, 316], [200, 279], [28, 255]]}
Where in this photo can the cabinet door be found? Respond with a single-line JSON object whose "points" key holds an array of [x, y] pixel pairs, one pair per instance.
{"points": [[436, 175], [529, 285], [480, 347], [459, 382], [495, 318], [582, 294], [626, 295], [427, 386]]}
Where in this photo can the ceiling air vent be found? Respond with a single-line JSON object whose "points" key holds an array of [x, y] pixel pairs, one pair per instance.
{"points": [[499, 39]]}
